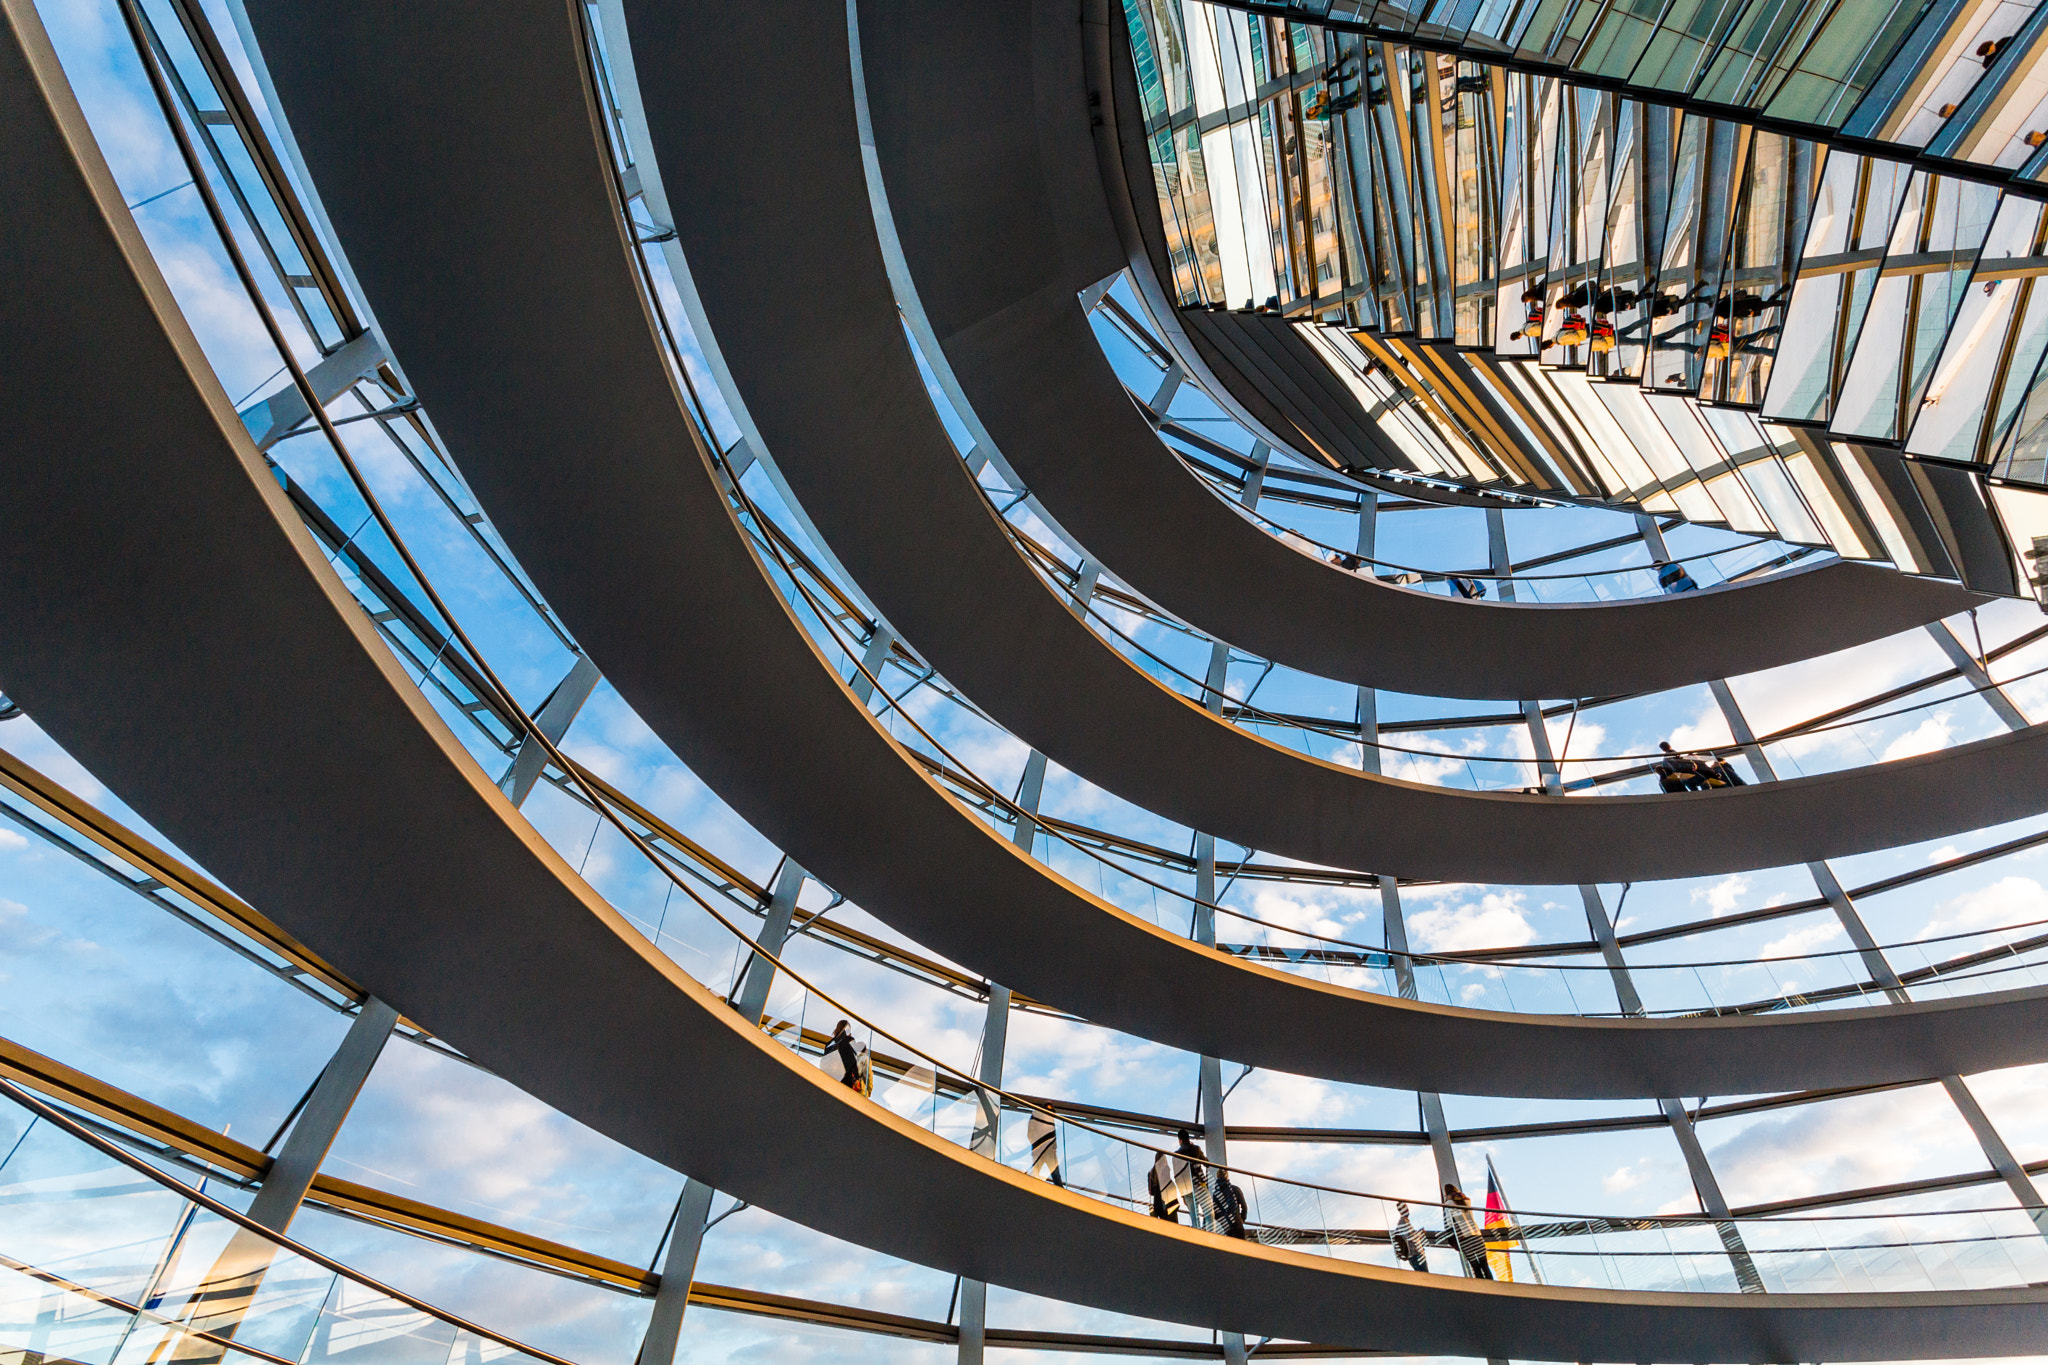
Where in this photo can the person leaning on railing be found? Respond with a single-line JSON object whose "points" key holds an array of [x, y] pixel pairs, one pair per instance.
{"points": [[1680, 772]]}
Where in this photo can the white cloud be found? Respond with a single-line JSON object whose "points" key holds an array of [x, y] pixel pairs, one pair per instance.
{"points": [[1830, 1145], [1279, 1100], [1802, 941], [1944, 853], [1623, 1178], [1709, 730], [11, 839], [1929, 735], [1724, 896], [1278, 908], [1494, 921], [2010, 900], [1411, 767], [1049, 1056], [1796, 692]]}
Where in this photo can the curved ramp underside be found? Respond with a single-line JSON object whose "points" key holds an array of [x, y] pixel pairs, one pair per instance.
{"points": [[154, 562], [761, 159], [633, 545], [980, 116]]}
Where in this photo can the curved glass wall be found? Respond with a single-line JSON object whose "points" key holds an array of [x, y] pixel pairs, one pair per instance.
{"points": [[1586, 292]]}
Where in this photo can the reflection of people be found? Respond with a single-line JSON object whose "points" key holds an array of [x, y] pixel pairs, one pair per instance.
{"points": [[1408, 1242], [1674, 578], [1467, 587], [1458, 1223], [1601, 300], [1328, 105]]}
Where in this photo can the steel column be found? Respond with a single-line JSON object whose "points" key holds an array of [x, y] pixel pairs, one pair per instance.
{"points": [[236, 1276], [553, 720], [1209, 1084], [881, 640], [1709, 1191], [1631, 1003], [1213, 681], [759, 975], [995, 1031], [1394, 921], [1497, 553], [693, 1209], [1169, 385], [1255, 479], [1960, 656], [1653, 538], [319, 1123], [986, 1140], [1368, 523], [1029, 788], [678, 1272]]}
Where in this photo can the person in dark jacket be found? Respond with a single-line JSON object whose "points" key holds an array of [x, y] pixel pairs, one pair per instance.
{"points": [[1196, 1165], [1230, 1207], [1678, 772], [1159, 1182], [842, 1044]]}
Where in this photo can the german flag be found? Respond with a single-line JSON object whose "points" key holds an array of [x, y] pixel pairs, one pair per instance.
{"points": [[1501, 1231]]}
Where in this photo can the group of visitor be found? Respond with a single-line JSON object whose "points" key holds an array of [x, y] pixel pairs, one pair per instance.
{"points": [[1185, 1181], [1461, 1228], [1683, 772]]}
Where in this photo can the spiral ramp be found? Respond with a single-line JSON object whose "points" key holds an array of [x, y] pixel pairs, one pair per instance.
{"points": [[154, 559], [718, 668]]}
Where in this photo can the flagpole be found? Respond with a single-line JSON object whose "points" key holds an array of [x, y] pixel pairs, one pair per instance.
{"points": [[1513, 1222]]}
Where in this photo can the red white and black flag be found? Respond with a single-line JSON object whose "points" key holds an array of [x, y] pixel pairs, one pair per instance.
{"points": [[1502, 1232]]}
